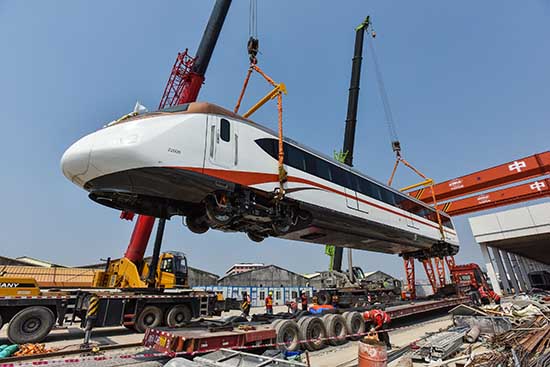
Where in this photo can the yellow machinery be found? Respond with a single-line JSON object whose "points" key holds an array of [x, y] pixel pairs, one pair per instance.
{"points": [[12, 286], [171, 273]]}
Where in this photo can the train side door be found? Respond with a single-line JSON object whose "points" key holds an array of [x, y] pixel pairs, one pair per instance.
{"points": [[222, 141]]}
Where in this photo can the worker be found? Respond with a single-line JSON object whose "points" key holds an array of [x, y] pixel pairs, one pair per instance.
{"points": [[494, 296], [269, 303], [245, 305], [334, 301], [303, 298], [293, 307], [379, 320], [484, 297]]}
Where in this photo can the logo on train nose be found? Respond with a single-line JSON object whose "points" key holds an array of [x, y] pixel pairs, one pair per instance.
{"points": [[9, 285]]}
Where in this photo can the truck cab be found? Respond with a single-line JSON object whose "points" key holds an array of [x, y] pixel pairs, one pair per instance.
{"points": [[173, 271]]}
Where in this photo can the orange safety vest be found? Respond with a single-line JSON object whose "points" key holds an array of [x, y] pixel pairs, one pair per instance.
{"points": [[482, 292], [494, 296], [269, 302]]}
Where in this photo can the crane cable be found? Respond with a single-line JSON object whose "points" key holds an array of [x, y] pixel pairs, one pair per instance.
{"points": [[395, 143], [385, 100], [279, 89]]}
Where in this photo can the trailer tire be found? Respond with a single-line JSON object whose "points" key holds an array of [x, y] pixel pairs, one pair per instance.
{"points": [[31, 325], [313, 328], [324, 298], [336, 328], [288, 335], [178, 316], [149, 317], [355, 324]]}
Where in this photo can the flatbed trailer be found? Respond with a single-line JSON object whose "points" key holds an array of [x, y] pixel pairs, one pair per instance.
{"points": [[31, 318], [274, 331], [420, 307]]}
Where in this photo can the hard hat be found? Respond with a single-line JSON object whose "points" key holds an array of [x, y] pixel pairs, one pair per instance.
{"points": [[270, 293]]}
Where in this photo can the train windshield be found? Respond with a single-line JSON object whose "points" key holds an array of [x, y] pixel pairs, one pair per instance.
{"points": [[136, 115]]}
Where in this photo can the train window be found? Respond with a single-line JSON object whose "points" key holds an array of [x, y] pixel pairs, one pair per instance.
{"points": [[322, 168], [225, 130], [446, 221], [387, 196], [294, 157], [369, 188], [340, 176], [269, 146]]}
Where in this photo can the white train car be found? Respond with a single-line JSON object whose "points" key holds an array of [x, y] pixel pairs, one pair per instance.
{"points": [[219, 170]]}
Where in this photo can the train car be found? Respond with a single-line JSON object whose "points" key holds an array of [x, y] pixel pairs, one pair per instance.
{"points": [[220, 170]]}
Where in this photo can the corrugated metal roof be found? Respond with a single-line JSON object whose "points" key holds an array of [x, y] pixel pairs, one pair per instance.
{"points": [[52, 277]]}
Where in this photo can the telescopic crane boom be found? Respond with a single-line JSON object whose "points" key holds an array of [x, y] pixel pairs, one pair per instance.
{"points": [[183, 86], [351, 117]]}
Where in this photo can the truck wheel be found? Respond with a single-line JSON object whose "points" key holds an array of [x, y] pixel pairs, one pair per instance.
{"points": [[288, 335], [355, 324], [150, 317], [178, 316], [336, 328], [324, 298], [313, 328], [31, 325]]}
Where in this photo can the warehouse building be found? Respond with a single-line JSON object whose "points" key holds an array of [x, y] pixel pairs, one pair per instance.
{"points": [[285, 285]]}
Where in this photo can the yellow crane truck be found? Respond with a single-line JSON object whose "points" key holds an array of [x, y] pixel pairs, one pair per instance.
{"points": [[124, 293]]}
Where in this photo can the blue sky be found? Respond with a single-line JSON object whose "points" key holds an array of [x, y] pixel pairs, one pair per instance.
{"points": [[468, 82]]}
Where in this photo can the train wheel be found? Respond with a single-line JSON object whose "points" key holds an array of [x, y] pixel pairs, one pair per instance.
{"points": [[196, 224], [31, 325], [150, 317], [255, 237], [178, 316], [216, 214], [281, 227]]}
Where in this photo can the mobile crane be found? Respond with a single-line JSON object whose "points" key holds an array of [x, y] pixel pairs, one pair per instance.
{"points": [[142, 297]]}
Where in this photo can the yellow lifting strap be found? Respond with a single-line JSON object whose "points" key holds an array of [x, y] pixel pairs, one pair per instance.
{"points": [[276, 92], [427, 182]]}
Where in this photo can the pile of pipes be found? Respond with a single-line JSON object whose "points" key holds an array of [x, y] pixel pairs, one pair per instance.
{"points": [[526, 345], [515, 333]]}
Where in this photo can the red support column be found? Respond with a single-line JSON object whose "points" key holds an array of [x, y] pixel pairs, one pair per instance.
{"points": [[411, 281], [429, 268], [440, 267]]}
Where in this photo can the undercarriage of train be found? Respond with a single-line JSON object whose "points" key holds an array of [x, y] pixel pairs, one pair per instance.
{"points": [[257, 215]]}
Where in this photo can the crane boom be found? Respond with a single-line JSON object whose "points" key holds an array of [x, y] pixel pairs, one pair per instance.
{"points": [[183, 87], [351, 117]]}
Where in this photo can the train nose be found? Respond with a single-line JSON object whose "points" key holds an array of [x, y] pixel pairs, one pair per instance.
{"points": [[75, 162]]}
